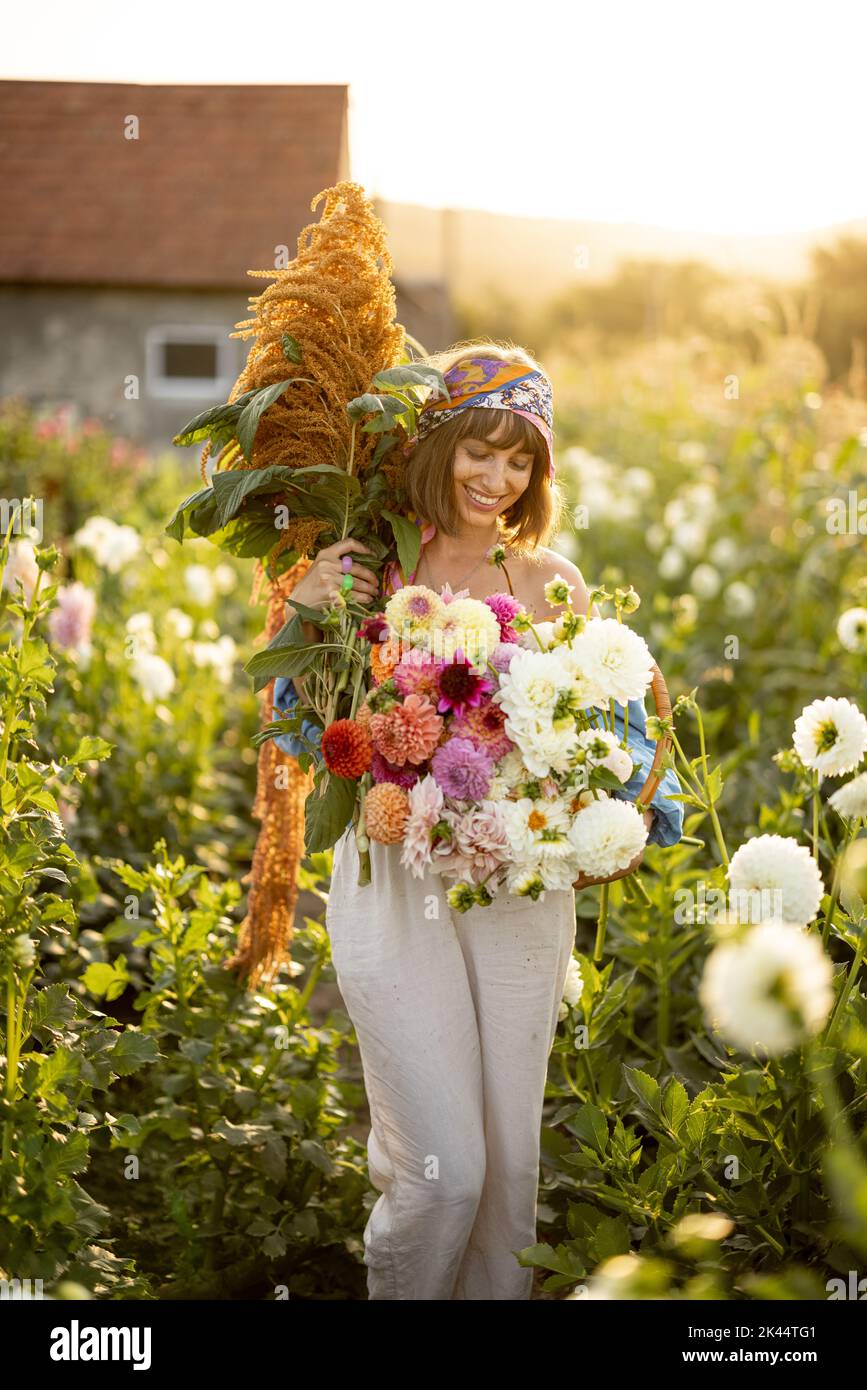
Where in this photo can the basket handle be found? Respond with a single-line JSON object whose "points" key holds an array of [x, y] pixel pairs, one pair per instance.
{"points": [[663, 710]]}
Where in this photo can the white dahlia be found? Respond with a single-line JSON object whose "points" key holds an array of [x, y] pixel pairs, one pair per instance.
{"points": [[773, 878], [583, 686], [529, 821], [830, 736], [769, 989], [607, 835], [616, 759], [154, 675], [852, 629], [615, 658], [529, 689], [543, 748], [573, 986], [850, 800]]}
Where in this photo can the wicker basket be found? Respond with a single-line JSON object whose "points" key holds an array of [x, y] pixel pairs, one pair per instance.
{"points": [[663, 710]]}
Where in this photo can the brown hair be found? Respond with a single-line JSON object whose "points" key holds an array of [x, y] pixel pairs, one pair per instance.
{"points": [[429, 470]]}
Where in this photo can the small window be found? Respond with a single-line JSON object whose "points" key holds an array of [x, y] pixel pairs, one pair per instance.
{"points": [[191, 361]]}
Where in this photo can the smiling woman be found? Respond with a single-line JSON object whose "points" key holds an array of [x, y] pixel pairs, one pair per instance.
{"points": [[455, 1007]]}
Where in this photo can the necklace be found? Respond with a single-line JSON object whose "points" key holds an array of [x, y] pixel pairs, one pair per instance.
{"points": [[462, 581]]}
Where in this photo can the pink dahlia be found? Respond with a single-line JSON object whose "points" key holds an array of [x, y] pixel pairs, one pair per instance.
{"points": [[70, 623], [417, 673], [449, 595], [425, 809], [485, 727], [384, 771], [502, 654], [460, 688], [480, 836], [408, 733], [462, 770], [504, 607]]}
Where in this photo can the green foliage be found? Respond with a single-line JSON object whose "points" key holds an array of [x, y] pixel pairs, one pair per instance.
{"points": [[57, 1054], [243, 1108]]}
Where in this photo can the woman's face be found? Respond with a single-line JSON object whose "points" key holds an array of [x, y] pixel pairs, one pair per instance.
{"points": [[489, 479]]}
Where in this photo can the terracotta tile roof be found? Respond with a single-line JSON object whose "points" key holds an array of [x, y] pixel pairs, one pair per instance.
{"points": [[218, 177]]}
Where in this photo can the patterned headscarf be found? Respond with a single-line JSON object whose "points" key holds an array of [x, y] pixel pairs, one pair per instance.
{"points": [[489, 381]]}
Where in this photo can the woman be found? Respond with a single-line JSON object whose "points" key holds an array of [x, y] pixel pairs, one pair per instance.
{"points": [[455, 1013]]}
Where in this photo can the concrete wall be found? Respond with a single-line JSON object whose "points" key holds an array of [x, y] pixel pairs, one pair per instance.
{"points": [[87, 347]]}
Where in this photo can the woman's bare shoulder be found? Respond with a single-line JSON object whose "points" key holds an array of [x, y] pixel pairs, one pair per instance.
{"points": [[542, 565]]}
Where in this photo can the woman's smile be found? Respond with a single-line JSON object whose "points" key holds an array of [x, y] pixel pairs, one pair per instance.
{"points": [[483, 500]]}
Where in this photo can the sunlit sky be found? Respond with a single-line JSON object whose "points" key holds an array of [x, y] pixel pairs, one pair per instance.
{"points": [[736, 116]]}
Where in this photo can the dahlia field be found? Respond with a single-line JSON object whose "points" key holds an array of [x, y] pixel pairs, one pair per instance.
{"points": [[168, 1132]]}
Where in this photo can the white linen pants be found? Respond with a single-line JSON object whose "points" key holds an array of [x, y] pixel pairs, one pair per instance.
{"points": [[455, 1015]]}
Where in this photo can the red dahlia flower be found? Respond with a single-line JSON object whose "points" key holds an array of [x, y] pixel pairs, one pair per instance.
{"points": [[346, 748]]}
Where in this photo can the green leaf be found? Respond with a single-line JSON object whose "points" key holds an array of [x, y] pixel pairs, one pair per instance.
{"points": [[363, 405], [643, 1086], [66, 1156], [54, 1067], [35, 662], [235, 484], [408, 540], [52, 1008], [248, 421], [399, 377], [202, 426], [290, 661], [611, 1238], [90, 747], [327, 816], [590, 1125], [675, 1104], [715, 784], [132, 1051], [291, 348], [103, 979], [202, 506]]}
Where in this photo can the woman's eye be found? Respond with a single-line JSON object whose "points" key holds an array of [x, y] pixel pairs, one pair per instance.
{"points": [[521, 464]]}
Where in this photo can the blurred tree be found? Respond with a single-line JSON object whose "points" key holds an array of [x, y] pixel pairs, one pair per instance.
{"points": [[839, 276], [645, 299]]}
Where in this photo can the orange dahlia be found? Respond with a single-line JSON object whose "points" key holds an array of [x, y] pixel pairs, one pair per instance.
{"points": [[386, 808], [383, 659], [346, 748]]}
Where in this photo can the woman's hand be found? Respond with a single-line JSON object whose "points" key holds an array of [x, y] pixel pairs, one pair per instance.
{"points": [[584, 882], [321, 583]]}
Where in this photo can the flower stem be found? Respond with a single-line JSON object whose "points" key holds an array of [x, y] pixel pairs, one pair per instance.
{"points": [[848, 985], [601, 922], [835, 881]]}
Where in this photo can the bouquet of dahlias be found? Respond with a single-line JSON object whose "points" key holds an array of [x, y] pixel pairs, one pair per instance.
{"points": [[481, 746]]}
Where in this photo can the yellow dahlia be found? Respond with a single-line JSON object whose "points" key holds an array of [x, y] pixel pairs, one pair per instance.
{"points": [[413, 611], [466, 625]]}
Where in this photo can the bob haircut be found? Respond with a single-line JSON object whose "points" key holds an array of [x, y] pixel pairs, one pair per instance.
{"points": [[429, 478]]}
